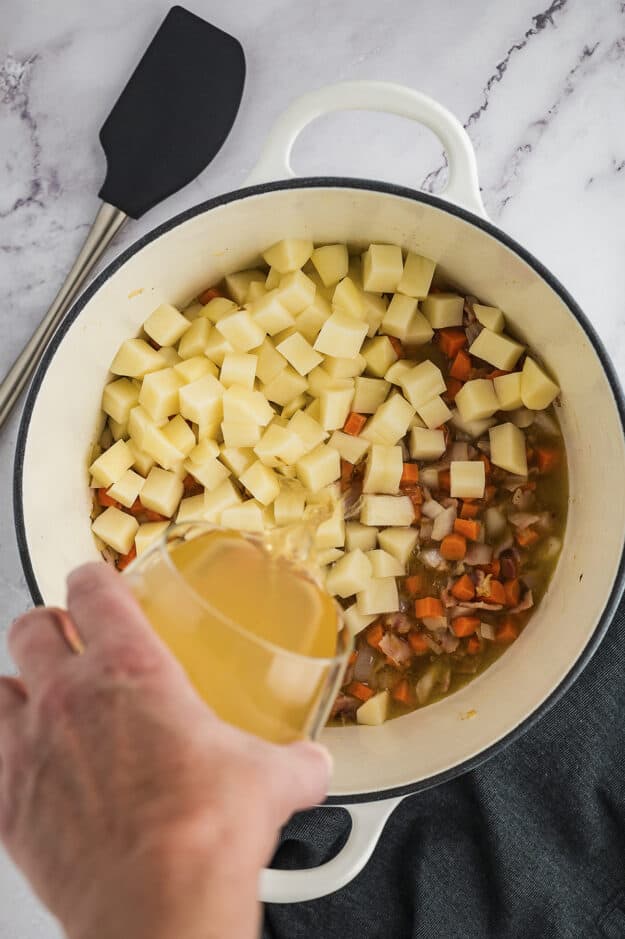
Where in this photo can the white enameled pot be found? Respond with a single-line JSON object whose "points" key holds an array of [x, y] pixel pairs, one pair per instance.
{"points": [[375, 767]]}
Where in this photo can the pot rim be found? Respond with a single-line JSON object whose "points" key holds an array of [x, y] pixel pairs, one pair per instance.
{"points": [[343, 182]]}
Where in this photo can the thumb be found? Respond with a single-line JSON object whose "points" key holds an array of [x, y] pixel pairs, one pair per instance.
{"points": [[300, 778]]}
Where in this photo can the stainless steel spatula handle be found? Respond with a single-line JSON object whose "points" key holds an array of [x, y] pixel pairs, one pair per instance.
{"points": [[107, 223]]}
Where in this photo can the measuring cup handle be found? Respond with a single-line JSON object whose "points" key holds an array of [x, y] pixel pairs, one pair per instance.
{"points": [[462, 184], [368, 820]]}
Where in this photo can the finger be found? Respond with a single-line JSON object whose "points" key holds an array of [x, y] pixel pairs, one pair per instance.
{"points": [[37, 645], [300, 776], [13, 696]]}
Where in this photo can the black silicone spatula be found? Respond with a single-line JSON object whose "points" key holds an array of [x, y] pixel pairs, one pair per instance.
{"points": [[169, 122]]}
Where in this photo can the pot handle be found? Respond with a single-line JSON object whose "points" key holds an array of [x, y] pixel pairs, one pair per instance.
{"points": [[368, 820], [462, 186]]}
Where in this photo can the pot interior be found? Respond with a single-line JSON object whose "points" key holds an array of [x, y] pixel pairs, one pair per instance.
{"points": [[62, 423]]}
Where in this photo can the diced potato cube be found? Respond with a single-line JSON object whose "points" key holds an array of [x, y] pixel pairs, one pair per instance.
{"points": [[238, 284], [472, 429], [355, 621], [205, 450], [331, 262], [166, 325], [341, 335], [139, 424], [288, 507], [419, 331], [242, 404], [490, 316], [255, 292], [537, 389], [329, 556], [384, 469], [273, 279], [399, 542], [127, 488], [417, 422], [217, 308], [190, 510], [245, 517], [379, 355], [116, 529], [434, 413], [119, 398], [238, 369], [390, 422], [112, 464], [335, 406], [169, 356], [217, 347], [382, 268], [477, 400], [387, 510], [193, 311], [159, 394], [279, 445], [242, 331], [508, 391], [349, 575], [468, 479], [299, 402], [319, 468], [384, 564], [309, 322], [210, 474], [374, 712], [240, 433], [286, 386], [314, 409], [261, 481], [426, 444], [288, 254], [202, 400], [338, 368], [221, 498], [398, 371], [360, 536], [270, 313], [143, 462], [118, 431], [496, 349], [369, 394], [299, 353], [296, 292], [148, 534], [422, 383], [417, 277], [443, 309], [507, 448], [195, 367], [375, 308], [237, 459], [397, 318], [180, 435], [307, 429], [162, 492], [135, 358], [193, 343], [331, 532], [348, 298], [270, 363], [319, 381], [379, 596]]}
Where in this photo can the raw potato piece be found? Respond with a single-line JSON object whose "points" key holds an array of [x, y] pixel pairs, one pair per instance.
{"points": [[112, 464], [384, 564], [245, 517], [331, 533], [166, 325], [398, 371], [387, 510], [270, 362], [390, 422], [355, 621], [496, 349], [508, 391], [190, 510], [375, 308], [237, 459], [468, 479], [285, 387], [278, 446], [159, 394], [135, 358], [288, 254], [537, 389], [507, 448], [374, 711], [360, 536], [319, 468], [308, 429], [379, 355], [148, 534], [422, 383], [311, 320], [472, 429], [369, 394], [299, 353], [434, 413], [162, 492], [180, 435], [382, 268], [255, 292], [217, 348], [477, 400], [196, 367], [384, 469], [490, 316], [399, 542], [341, 336], [443, 310], [241, 404], [238, 434], [238, 284], [241, 330], [143, 462], [238, 369], [426, 444], [116, 529], [161, 448], [379, 596], [352, 449], [127, 488], [348, 298], [397, 319], [349, 575], [193, 343], [331, 263], [119, 398], [217, 308], [202, 400], [341, 369], [296, 292], [417, 277], [335, 407], [261, 481], [169, 356], [288, 507], [223, 497]]}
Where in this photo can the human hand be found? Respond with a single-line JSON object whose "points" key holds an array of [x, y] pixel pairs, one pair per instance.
{"points": [[130, 807]]}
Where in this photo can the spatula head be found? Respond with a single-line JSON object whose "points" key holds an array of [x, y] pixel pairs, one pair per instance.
{"points": [[174, 114]]}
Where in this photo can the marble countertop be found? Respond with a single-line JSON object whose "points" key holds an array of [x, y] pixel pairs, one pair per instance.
{"points": [[540, 93]]}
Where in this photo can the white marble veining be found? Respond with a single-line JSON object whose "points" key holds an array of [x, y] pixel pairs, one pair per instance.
{"points": [[540, 92]]}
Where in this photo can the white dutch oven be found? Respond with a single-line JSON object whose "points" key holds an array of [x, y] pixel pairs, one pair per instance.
{"points": [[375, 767]]}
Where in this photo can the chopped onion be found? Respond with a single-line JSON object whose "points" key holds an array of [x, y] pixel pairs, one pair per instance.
{"points": [[425, 530], [546, 423], [431, 508], [459, 451], [435, 623], [484, 446], [429, 477], [523, 520], [551, 548], [444, 524], [363, 666], [523, 500], [431, 557], [495, 523], [487, 631], [473, 330], [478, 553]]}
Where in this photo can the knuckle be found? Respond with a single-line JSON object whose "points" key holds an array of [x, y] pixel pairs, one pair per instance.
{"points": [[59, 697], [130, 659]]}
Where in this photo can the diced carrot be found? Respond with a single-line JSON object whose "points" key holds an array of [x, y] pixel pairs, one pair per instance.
{"points": [[397, 346], [506, 632], [354, 423], [469, 509], [474, 646], [106, 501], [547, 459], [347, 471], [496, 592], [409, 475], [497, 373], [126, 559], [428, 607], [402, 692], [418, 513], [487, 466], [415, 493], [463, 589], [453, 547], [526, 537], [374, 635], [464, 625], [451, 341], [153, 516], [413, 584], [461, 366], [453, 387], [444, 480], [360, 691], [418, 643], [494, 567], [136, 508], [467, 527], [209, 294], [512, 589]]}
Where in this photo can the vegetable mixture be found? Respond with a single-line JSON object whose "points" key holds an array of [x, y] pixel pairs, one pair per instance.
{"points": [[405, 409]]}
